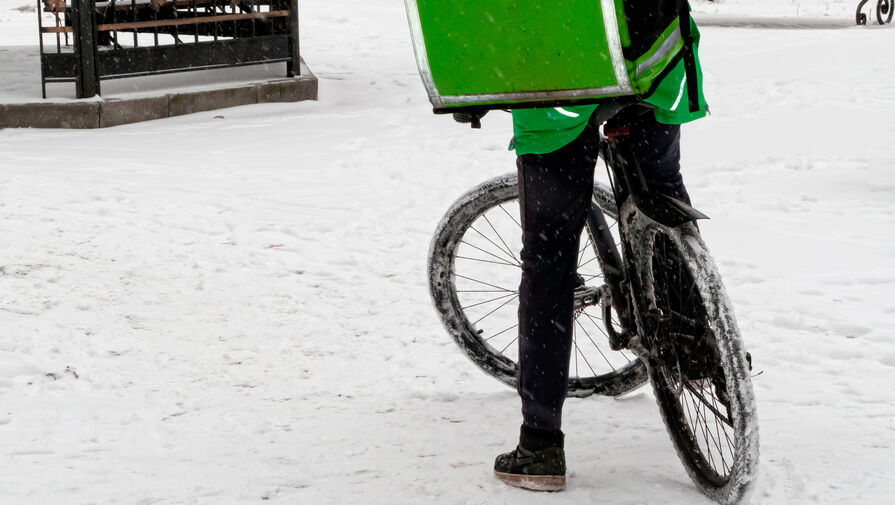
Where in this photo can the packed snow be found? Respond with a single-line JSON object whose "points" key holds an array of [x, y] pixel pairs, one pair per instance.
{"points": [[231, 307]]}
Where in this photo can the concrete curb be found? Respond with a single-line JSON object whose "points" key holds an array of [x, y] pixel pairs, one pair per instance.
{"points": [[106, 112]]}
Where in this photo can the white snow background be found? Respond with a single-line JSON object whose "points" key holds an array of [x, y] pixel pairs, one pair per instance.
{"points": [[231, 307]]}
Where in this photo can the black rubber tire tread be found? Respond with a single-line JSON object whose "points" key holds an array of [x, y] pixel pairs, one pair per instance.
{"points": [[441, 286], [737, 483]]}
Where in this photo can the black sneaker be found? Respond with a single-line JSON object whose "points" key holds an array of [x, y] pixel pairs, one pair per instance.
{"points": [[538, 463]]}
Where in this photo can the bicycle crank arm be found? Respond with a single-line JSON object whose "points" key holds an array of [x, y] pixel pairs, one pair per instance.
{"points": [[617, 341]]}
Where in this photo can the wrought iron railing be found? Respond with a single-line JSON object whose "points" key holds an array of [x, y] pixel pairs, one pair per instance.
{"points": [[884, 10], [93, 40]]}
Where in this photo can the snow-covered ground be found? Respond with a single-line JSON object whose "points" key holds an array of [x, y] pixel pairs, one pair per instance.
{"points": [[231, 307]]}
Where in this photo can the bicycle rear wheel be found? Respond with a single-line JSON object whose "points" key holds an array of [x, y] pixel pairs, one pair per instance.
{"points": [[474, 273], [697, 364]]}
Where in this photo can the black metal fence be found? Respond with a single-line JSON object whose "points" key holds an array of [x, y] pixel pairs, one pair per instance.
{"points": [[884, 9], [93, 40]]}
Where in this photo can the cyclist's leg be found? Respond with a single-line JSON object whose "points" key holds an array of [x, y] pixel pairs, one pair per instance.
{"points": [[655, 146], [554, 196]]}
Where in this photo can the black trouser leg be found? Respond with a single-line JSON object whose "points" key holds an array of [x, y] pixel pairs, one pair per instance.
{"points": [[554, 194], [656, 147]]}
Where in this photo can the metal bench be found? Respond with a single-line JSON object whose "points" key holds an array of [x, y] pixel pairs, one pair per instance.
{"points": [[114, 39]]}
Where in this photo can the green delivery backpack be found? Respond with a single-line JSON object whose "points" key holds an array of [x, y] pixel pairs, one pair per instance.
{"points": [[499, 54]]}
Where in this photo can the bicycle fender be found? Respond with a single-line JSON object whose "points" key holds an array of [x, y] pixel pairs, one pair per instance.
{"points": [[666, 210]]}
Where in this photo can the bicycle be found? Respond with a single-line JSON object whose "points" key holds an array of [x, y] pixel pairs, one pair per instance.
{"points": [[649, 304]]}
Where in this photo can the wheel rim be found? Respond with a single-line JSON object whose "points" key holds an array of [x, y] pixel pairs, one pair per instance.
{"points": [[688, 372], [487, 269]]}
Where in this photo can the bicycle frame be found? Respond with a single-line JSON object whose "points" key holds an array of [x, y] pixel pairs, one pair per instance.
{"points": [[691, 352], [633, 200]]}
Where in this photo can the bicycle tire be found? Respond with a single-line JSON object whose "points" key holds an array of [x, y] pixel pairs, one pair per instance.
{"points": [[443, 254], [706, 400]]}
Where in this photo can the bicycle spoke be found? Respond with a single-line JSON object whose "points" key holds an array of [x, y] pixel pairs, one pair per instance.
{"points": [[686, 406], [595, 345], [705, 402], [701, 429], [723, 427], [715, 442], [718, 437], [510, 253], [484, 251], [706, 429], [504, 304], [587, 243], [588, 262], [699, 426], [487, 261], [499, 290], [502, 241], [511, 216], [730, 444], [487, 301], [586, 362], [501, 332], [696, 413], [484, 283], [706, 433], [508, 345], [598, 323], [694, 424], [723, 430]]}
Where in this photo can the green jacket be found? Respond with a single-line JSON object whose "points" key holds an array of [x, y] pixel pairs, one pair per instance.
{"points": [[545, 130]]}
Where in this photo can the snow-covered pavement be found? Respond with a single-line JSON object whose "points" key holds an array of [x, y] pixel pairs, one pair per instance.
{"points": [[231, 307]]}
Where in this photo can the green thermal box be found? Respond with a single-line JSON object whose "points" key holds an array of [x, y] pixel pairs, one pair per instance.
{"points": [[490, 54]]}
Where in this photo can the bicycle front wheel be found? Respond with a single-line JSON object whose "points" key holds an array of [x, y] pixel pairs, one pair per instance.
{"points": [[474, 274], [697, 364]]}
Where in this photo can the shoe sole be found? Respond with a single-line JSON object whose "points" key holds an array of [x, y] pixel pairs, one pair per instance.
{"points": [[533, 482]]}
